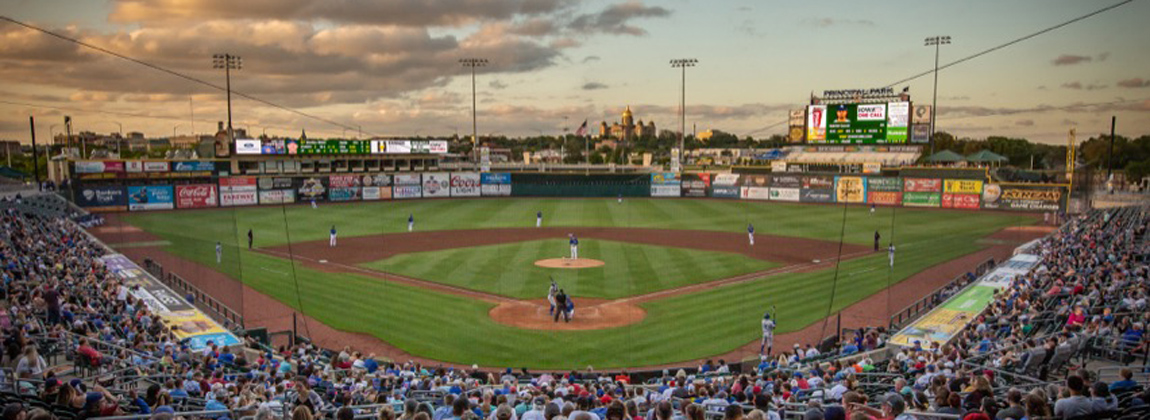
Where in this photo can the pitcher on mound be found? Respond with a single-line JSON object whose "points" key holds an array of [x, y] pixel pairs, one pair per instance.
{"points": [[574, 242]]}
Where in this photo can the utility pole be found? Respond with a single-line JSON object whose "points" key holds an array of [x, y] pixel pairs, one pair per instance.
{"points": [[228, 62], [683, 63], [1110, 156], [473, 63], [935, 41], [35, 155]]}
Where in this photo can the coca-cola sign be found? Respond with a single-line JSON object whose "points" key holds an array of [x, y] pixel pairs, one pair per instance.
{"points": [[195, 196]]}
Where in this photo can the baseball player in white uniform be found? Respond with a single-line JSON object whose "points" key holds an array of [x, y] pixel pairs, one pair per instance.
{"points": [[410, 222], [768, 334], [539, 219], [551, 297], [890, 253], [751, 233], [219, 253], [574, 242], [331, 240]]}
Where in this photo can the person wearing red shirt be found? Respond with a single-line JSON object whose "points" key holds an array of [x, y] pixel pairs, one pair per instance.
{"points": [[1076, 318], [88, 352]]}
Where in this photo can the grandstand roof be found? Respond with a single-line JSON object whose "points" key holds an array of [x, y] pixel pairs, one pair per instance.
{"points": [[945, 156], [986, 156]]}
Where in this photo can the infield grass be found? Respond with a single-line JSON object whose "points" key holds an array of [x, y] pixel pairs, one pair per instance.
{"points": [[630, 269], [679, 328]]}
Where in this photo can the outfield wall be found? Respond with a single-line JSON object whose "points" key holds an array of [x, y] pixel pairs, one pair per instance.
{"points": [[113, 188]]}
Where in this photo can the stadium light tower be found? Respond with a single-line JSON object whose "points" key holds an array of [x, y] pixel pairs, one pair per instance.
{"points": [[473, 63], [228, 62], [683, 63], [936, 42]]}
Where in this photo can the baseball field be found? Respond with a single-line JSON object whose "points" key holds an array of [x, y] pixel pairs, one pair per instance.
{"points": [[678, 279]]}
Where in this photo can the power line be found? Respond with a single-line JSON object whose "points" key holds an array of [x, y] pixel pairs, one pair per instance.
{"points": [[175, 73], [136, 115], [1014, 41], [1046, 108], [985, 52]]}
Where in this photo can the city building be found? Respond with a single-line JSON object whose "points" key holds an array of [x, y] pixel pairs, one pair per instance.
{"points": [[626, 128]]}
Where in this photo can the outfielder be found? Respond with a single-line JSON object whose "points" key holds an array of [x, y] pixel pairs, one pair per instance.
{"points": [[620, 198], [219, 253], [890, 253], [768, 334], [751, 233], [539, 219], [313, 204], [411, 222], [331, 240], [250, 237], [574, 242]]}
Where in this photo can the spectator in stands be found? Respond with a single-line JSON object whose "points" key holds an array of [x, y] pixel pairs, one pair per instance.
{"points": [[31, 365], [1103, 400], [1076, 404], [893, 406], [14, 411], [1126, 383], [1014, 408]]}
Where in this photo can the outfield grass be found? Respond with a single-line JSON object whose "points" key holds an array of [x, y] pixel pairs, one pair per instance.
{"points": [[456, 329], [630, 269]]}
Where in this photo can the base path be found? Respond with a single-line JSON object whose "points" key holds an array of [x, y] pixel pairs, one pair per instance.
{"points": [[570, 263]]}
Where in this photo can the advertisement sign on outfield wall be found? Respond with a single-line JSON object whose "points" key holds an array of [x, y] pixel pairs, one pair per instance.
{"points": [[376, 193], [726, 179], [277, 196], [151, 197], [195, 196], [311, 188], [664, 190], [113, 198], [98, 166], [819, 182], [274, 183], [921, 185], [850, 189], [755, 193], [407, 179], [921, 199], [962, 186], [665, 178], [193, 166], [343, 194], [495, 184], [786, 181], [817, 195], [1026, 198], [884, 198], [436, 184], [785, 194], [960, 201], [725, 191], [876, 183], [465, 184], [695, 185], [406, 191], [343, 181]]}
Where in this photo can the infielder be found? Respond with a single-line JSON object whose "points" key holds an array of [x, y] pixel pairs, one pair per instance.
{"points": [[551, 297], [768, 334], [219, 253], [331, 241], [876, 238], [313, 204], [890, 253], [574, 242], [411, 222], [751, 233], [538, 219]]}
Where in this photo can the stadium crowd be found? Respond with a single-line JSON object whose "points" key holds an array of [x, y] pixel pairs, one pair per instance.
{"points": [[77, 344]]}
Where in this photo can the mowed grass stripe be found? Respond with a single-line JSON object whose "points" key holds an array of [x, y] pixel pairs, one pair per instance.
{"points": [[508, 270]]}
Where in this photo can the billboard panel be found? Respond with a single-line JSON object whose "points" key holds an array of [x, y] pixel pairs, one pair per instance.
{"points": [[695, 185], [343, 194], [311, 188], [407, 191], [817, 124], [898, 122], [665, 178], [151, 197], [962, 186], [248, 147], [407, 179], [664, 190], [238, 198], [850, 189], [343, 181], [376, 193], [436, 184], [785, 194], [465, 184], [725, 191], [960, 201], [922, 185], [755, 193], [193, 166], [875, 183], [886, 198], [921, 199], [920, 133], [378, 180], [98, 166], [277, 196], [152, 166], [786, 181], [726, 179], [817, 195], [856, 124], [1018, 197], [817, 182], [195, 196], [111, 198], [495, 184]]}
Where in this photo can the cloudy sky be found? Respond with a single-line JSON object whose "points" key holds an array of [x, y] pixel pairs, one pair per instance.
{"points": [[392, 66]]}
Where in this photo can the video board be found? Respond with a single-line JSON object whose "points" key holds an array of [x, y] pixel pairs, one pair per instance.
{"points": [[881, 123]]}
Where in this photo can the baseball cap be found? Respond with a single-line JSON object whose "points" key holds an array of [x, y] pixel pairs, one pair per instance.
{"points": [[895, 401]]}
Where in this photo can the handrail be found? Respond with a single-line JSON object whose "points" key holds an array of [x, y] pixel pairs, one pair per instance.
{"points": [[932, 300]]}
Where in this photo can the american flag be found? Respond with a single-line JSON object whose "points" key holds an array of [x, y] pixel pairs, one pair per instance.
{"points": [[582, 129]]}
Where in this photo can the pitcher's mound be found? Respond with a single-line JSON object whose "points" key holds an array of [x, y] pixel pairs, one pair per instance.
{"points": [[569, 263]]}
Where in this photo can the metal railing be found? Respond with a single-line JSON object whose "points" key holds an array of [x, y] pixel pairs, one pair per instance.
{"points": [[913, 311], [231, 319]]}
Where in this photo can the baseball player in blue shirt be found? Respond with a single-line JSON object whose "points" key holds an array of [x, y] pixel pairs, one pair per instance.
{"points": [[574, 242], [331, 241], [751, 233]]}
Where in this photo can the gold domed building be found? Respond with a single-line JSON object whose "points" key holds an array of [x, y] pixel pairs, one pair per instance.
{"points": [[626, 129]]}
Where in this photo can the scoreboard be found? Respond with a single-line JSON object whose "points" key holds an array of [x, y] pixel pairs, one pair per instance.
{"points": [[335, 147], [851, 123]]}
